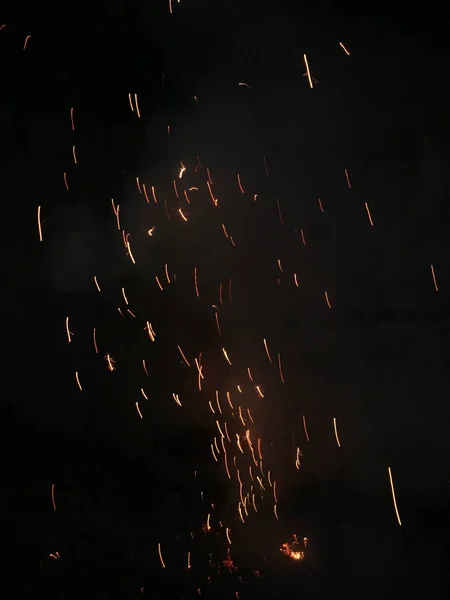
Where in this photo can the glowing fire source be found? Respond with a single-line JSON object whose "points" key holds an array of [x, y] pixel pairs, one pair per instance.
{"points": [[292, 551]]}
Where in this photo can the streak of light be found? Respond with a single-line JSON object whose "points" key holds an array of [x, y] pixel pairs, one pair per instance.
{"points": [[249, 374], [434, 278], [154, 195], [275, 512], [159, 283], [307, 71], [227, 533], [368, 213], [183, 356], [69, 334], [279, 212], [151, 334], [258, 389], [280, 368], [303, 237], [124, 296], [110, 363], [145, 367], [177, 399], [217, 323], [347, 178], [327, 300], [226, 356], [160, 556], [230, 295], [94, 337], [295, 280], [96, 283], [242, 83], [53, 497], [305, 428], [78, 380], [39, 223], [240, 184], [182, 215], [131, 102], [320, 205], [344, 48], [213, 453], [189, 560], [137, 106], [196, 283], [336, 432], [139, 410], [267, 350], [65, 181], [166, 270], [74, 154], [150, 231], [71, 119], [130, 254], [144, 394], [393, 496], [275, 492], [26, 42]]}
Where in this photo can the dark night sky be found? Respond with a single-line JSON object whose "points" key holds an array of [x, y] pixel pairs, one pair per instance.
{"points": [[378, 360]]}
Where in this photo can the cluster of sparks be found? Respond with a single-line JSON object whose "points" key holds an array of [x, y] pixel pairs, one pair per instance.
{"points": [[237, 447]]}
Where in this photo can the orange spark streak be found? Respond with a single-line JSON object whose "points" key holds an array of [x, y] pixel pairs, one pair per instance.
{"points": [[280, 369], [96, 283], [71, 119], [160, 556], [327, 299], [305, 429], [39, 223], [94, 336], [196, 283], [348, 178], [69, 337], [307, 71], [267, 350], [434, 278], [344, 48], [53, 497], [78, 380], [368, 213], [393, 496], [183, 356], [336, 432], [74, 154], [240, 184], [139, 410]]}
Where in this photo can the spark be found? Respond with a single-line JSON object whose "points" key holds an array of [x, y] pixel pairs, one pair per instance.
{"points": [[71, 119], [74, 154], [267, 350], [184, 356], [78, 380], [307, 71], [94, 337], [177, 399], [182, 215], [393, 496], [69, 333], [368, 213], [344, 48], [242, 83], [139, 410], [39, 223], [226, 356], [110, 362], [96, 283], [27, 39], [160, 556], [196, 283], [137, 105], [327, 300], [336, 432], [305, 428], [53, 497], [347, 178], [434, 278]]}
